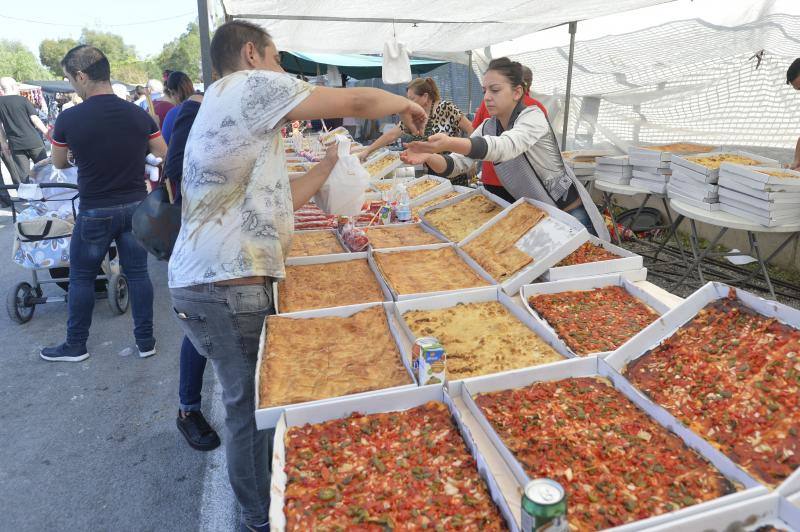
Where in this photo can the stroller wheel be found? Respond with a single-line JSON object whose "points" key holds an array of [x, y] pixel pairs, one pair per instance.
{"points": [[18, 304], [118, 293]]}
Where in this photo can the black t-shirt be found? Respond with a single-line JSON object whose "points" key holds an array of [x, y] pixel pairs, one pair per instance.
{"points": [[109, 139], [15, 113]]}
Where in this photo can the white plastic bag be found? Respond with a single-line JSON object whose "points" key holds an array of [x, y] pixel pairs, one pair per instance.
{"points": [[343, 193], [396, 64]]}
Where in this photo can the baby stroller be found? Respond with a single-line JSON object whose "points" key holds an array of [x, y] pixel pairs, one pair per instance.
{"points": [[43, 214]]}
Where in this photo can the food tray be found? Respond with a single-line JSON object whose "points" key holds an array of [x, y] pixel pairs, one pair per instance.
{"points": [[325, 259], [691, 175], [672, 193], [614, 180], [466, 258], [549, 241], [384, 401], [656, 156], [588, 283], [386, 170], [695, 190], [756, 205], [266, 418], [679, 160], [422, 226], [595, 367], [649, 176], [767, 192], [766, 200], [482, 191], [673, 320], [654, 187], [327, 137], [345, 250], [407, 337], [627, 261], [766, 510], [613, 160], [615, 170], [762, 219], [751, 173]]}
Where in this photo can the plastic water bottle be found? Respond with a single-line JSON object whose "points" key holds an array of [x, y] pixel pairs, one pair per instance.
{"points": [[403, 205]]}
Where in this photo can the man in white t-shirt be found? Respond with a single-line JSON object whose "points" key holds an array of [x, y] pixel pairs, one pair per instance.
{"points": [[237, 224]]}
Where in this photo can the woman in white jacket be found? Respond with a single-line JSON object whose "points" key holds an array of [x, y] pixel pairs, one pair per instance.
{"points": [[520, 143]]}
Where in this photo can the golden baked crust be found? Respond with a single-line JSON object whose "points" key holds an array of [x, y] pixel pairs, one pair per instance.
{"points": [[318, 358], [713, 162], [481, 338], [375, 167], [334, 284], [435, 201], [426, 270], [494, 249], [457, 221], [309, 243], [396, 237], [422, 187], [680, 147]]}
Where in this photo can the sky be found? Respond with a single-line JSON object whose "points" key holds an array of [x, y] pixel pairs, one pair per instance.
{"points": [[146, 24]]}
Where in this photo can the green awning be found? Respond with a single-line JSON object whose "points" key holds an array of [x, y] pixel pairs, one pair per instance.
{"points": [[354, 65]]}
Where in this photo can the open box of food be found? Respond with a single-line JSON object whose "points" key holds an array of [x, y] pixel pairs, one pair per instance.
{"points": [[382, 165], [316, 243], [267, 415], [414, 232], [382, 291], [626, 261], [551, 349], [549, 241], [589, 284], [583, 390], [654, 155], [425, 214], [694, 162], [380, 402], [472, 271], [736, 355]]}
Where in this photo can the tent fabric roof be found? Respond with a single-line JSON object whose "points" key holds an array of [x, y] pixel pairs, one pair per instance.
{"points": [[354, 66], [363, 26]]}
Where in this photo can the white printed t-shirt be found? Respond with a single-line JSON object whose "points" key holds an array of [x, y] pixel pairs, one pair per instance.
{"points": [[237, 217]]}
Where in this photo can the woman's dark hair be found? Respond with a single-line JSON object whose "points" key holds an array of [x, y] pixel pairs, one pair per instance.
{"points": [[140, 91], [427, 86], [511, 70], [226, 45], [89, 60], [179, 86]]}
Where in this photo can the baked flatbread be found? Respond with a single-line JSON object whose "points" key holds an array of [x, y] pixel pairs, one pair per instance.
{"points": [[426, 270], [328, 285]]}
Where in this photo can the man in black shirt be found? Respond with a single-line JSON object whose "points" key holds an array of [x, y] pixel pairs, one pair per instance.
{"points": [[20, 121], [109, 139]]}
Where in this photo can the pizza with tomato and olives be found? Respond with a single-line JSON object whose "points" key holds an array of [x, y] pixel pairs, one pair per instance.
{"points": [[588, 252], [396, 470], [615, 463], [732, 376], [594, 321]]}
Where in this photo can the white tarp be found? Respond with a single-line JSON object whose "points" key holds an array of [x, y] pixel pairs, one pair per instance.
{"points": [[689, 70], [456, 26]]}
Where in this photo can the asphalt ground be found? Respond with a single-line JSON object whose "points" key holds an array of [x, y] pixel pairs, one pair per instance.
{"points": [[93, 445]]}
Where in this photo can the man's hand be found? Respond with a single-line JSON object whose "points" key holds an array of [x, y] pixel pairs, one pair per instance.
{"points": [[363, 154], [414, 158], [331, 155], [435, 144], [414, 118]]}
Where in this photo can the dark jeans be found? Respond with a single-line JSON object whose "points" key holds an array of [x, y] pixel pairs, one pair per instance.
{"points": [[583, 217], [91, 238], [193, 366], [22, 159], [224, 323]]}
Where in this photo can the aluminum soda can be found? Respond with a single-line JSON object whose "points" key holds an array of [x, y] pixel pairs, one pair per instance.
{"points": [[544, 506]]}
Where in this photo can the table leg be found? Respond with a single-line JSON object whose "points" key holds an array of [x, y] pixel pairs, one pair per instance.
{"points": [[761, 264], [698, 261], [673, 232], [636, 216], [608, 199]]}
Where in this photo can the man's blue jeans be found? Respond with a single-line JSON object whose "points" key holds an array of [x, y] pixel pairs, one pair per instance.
{"points": [[94, 230], [193, 366]]}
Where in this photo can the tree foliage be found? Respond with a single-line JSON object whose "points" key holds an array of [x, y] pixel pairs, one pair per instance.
{"points": [[183, 53], [52, 51], [19, 62]]}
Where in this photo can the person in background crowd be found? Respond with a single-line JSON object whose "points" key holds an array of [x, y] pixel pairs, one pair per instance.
{"points": [[140, 96], [444, 117], [178, 89], [521, 143], [488, 176], [165, 75], [121, 91], [237, 223], [20, 120], [73, 100], [111, 185], [793, 79], [190, 421], [155, 88]]}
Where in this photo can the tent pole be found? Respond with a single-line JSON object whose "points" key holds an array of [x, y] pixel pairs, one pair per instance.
{"points": [[469, 82], [205, 42], [573, 27]]}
